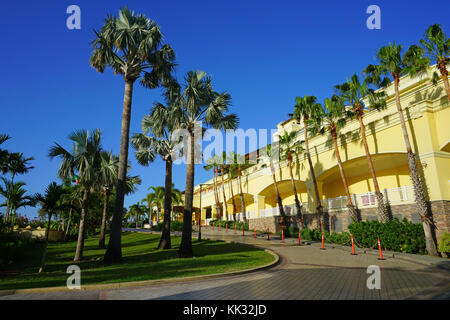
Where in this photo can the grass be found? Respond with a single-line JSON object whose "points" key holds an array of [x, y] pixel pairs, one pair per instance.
{"points": [[142, 261]]}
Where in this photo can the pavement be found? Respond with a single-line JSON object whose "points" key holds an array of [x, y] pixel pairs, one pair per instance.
{"points": [[304, 272]]}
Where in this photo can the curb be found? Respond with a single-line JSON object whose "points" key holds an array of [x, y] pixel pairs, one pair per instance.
{"points": [[120, 285]]}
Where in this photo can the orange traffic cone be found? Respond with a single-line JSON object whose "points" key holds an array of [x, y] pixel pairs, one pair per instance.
{"points": [[323, 244], [353, 247], [379, 249]]}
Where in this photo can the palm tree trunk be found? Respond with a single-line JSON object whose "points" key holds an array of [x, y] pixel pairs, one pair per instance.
{"points": [[382, 211], [165, 242], [216, 196], [233, 201], [8, 207], [417, 183], [223, 191], [244, 215], [44, 254], [114, 251], [68, 223], [351, 208], [185, 250], [101, 240], [444, 73], [313, 177], [80, 243], [279, 201], [298, 206]]}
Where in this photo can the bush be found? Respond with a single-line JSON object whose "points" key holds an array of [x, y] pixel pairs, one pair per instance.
{"points": [[444, 243], [231, 223], [12, 249], [174, 226], [395, 235]]}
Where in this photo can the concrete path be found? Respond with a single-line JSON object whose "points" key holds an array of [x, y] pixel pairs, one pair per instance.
{"points": [[305, 272]]}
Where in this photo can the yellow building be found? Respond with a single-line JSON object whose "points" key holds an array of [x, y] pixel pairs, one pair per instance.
{"points": [[427, 112]]}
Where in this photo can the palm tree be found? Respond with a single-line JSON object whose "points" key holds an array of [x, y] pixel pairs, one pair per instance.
{"points": [[4, 154], [136, 210], [16, 163], [270, 155], [73, 198], [437, 48], [289, 147], [213, 163], [198, 103], [131, 45], [222, 173], [332, 120], [157, 197], [157, 138], [230, 176], [107, 177], [392, 64], [14, 193], [305, 108], [238, 164], [353, 93], [51, 202], [85, 160]]}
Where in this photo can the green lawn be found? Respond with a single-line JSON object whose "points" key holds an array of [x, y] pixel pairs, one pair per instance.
{"points": [[142, 261]]}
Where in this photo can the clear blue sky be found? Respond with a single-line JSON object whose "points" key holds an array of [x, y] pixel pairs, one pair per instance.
{"points": [[265, 53]]}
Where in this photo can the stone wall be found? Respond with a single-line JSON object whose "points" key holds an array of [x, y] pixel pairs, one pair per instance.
{"points": [[339, 219]]}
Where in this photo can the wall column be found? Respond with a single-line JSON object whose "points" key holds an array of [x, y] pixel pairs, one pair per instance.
{"points": [[259, 205]]}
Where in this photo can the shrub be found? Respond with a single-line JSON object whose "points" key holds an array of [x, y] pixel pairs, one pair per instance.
{"points": [[444, 243], [174, 226], [395, 235]]}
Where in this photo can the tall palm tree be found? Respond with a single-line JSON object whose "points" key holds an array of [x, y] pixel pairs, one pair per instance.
{"points": [[15, 196], [73, 198], [353, 93], [51, 202], [230, 177], [157, 138], [131, 45], [332, 120], [213, 163], [437, 49], [198, 103], [85, 160], [289, 147], [238, 164], [107, 176], [16, 163], [223, 159], [270, 154], [391, 63], [305, 108]]}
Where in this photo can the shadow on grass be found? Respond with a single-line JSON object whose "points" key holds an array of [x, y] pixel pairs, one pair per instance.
{"points": [[142, 261]]}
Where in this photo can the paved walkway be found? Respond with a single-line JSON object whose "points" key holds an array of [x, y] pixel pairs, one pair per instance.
{"points": [[305, 272]]}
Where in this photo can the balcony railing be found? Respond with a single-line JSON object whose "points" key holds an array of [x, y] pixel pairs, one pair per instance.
{"points": [[391, 196]]}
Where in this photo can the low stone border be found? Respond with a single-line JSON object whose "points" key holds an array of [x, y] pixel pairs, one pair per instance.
{"points": [[143, 283]]}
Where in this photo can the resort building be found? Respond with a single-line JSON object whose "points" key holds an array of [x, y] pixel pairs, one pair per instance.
{"points": [[427, 111]]}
